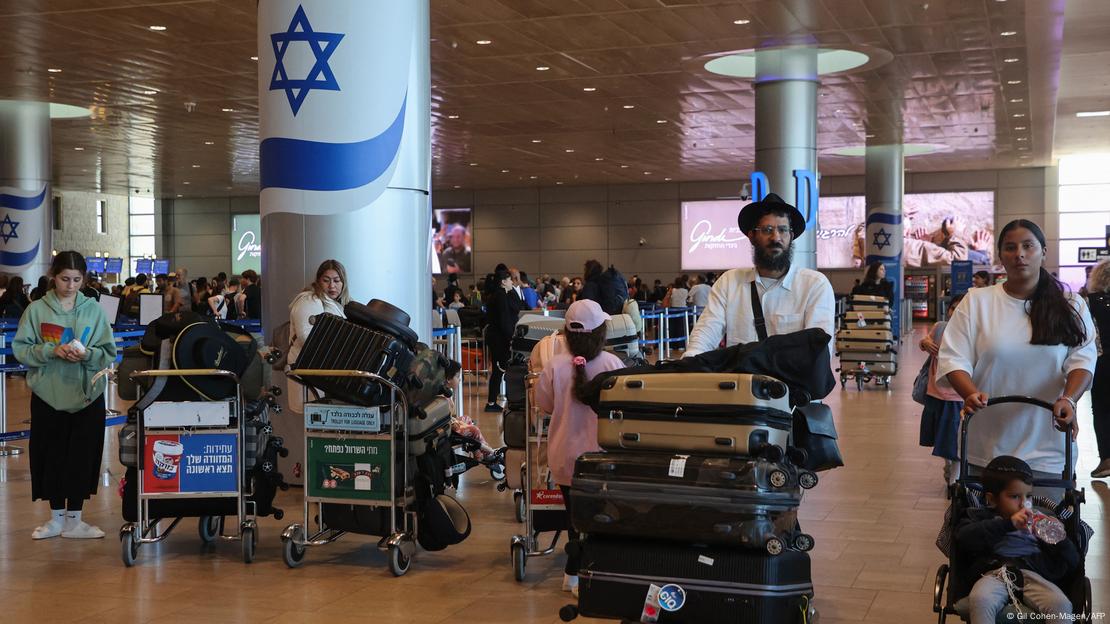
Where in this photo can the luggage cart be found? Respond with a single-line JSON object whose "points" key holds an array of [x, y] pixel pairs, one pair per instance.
{"points": [[543, 508], [400, 542], [190, 461]]}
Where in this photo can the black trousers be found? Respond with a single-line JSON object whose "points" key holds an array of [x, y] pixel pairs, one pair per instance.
{"points": [[499, 353], [1100, 405], [573, 560], [66, 450]]}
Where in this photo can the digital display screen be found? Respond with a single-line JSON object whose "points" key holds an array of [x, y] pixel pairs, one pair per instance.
{"points": [[144, 265], [95, 265], [113, 265], [452, 241], [161, 266]]}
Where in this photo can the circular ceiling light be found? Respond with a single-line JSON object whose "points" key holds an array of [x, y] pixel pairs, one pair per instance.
{"points": [[908, 149], [741, 63]]}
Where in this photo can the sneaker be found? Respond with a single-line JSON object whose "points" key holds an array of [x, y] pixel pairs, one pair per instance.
{"points": [[52, 528], [1101, 471], [493, 407], [570, 584], [82, 530]]}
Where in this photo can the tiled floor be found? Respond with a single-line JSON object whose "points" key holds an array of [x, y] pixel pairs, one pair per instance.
{"points": [[875, 521]]}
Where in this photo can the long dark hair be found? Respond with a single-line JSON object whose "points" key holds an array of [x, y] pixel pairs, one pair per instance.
{"points": [[1054, 319], [587, 345], [872, 275], [592, 268]]}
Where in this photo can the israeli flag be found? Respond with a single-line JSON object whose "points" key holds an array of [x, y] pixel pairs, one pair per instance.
{"points": [[21, 221], [884, 233], [335, 101]]}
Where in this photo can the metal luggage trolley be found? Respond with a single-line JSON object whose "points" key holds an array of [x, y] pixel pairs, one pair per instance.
{"points": [[543, 508], [361, 431], [190, 450]]}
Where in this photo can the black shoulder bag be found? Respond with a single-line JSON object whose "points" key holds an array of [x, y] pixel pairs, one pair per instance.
{"points": [[814, 430]]}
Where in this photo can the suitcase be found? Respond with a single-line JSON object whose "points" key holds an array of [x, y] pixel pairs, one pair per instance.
{"points": [[731, 501], [335, 343], [873, 319], [714, 584], [383, 317], [428, 424], [514, 428], [530, 329], [868, 356], [715, 413], [869, 302], [516, 387], [622, 339], [875, 368], [864, 339]]}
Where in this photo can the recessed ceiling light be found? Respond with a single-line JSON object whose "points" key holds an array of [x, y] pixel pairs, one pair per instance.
{"points": [[180, 195], [209, 142], [78, 149], [570, 151], [228, 110], [1016, 100], [1022, 139], [537, 140], [741, 22], [647, 173], [1019, 115], [660, 121], [254, 58], [1008, 33], [1105, 113], [542, 68], [54, 70], [869, 136], [628, 106], [599, 158], [1019, 127], [1013, 82], [457, 186], [186, 182], [196, 166], [157, 28], [532, 177], [589, 89], [452, 116], [504, 171], [1010, 60], [473, 164], [624, 166], [559, 182], [150, 92], [483, 42], [666, 179]]}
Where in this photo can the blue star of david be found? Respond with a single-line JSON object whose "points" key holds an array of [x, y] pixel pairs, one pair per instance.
{"points": [[7, 228], [320, 77], [885, 242]]}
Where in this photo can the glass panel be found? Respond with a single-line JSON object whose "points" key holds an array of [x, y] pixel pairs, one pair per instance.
{"points": [[1085, 198], [142, 245], [1074, 276], [142, 205], [1082, 224], [142, 225], [1085, 169]]}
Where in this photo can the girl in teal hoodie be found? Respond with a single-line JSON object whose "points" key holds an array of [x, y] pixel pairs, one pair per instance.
{"points": [[65, 339]]}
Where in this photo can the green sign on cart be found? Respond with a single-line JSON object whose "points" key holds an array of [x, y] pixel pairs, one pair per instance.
{"points": [[348, 469]]}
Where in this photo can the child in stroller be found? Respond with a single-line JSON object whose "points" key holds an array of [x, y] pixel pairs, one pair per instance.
{"points": [[1006, 556], [467, 438]]}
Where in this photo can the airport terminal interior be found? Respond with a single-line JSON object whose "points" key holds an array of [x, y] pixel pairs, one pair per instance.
{"points": [[793, 243]]}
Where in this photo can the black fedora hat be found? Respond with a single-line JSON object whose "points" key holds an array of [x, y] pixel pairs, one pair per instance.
{"points": [[753, 212], [205, 345]]}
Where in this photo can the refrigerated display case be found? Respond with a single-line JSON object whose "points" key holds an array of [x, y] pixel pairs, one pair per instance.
{"points": [[920, 288]]}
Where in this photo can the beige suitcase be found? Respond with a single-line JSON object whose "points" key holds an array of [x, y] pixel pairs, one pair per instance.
{"points": [[867, 356], [864, 339], [714, 413]]}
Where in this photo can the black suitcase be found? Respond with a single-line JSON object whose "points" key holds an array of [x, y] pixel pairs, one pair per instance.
{"points": [[703, 584], [734, 501], [384, 317], [335, 343]]}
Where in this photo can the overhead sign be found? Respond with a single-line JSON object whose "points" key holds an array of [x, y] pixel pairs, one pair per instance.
{"points": [[246, 243], [1094, 254]]}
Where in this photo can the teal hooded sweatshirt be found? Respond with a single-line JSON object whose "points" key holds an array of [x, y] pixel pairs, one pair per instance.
{"points": [[64, 385]]}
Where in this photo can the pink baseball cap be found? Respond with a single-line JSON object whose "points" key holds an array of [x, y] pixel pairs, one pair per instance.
{"points": [[584, 316]]}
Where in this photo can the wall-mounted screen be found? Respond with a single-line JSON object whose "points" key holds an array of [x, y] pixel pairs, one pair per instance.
{"points": [[95, 265], [711, 238], [143, 265], [161, 266], [113, 265], [246, 243], [452, 241], [937, 229]]}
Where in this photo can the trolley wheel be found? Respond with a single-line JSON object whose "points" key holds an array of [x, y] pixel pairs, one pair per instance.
{"points": [[520, 559], [774, 546], [209, 528], [518, 502], [291, 552], [803, 542], [249, 538], [807, 479], [1088, 610], [398, 562], [129, 545], [778, 478], [568, 613], [938, 592]]}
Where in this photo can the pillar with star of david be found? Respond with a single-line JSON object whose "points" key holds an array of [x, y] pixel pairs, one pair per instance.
{"points": [[884, 173], [345, 164], [25, 231]]}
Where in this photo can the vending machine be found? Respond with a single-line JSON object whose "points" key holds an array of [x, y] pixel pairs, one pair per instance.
{"points": [[920, 288]]}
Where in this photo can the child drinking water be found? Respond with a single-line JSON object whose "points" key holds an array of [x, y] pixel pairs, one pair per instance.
{"points": [[573, 429], [997, 542]]}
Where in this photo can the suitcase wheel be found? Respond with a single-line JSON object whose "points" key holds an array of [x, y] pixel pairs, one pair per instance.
{"points": [[808, 480], [778, 478], [774, 546], [803, 542]]}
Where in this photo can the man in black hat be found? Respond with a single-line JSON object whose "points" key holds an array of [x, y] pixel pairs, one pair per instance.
{"points": [[791, 298]]}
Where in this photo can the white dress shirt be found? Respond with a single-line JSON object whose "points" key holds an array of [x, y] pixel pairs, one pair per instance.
{"points": [[800, 300], [988, 338], [699, 295]]}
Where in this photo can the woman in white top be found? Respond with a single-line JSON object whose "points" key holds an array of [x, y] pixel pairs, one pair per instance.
{"points": [[1028, 336], [327, 294]]}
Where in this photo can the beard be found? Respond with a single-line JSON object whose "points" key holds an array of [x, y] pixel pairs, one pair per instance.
{"points": [[765, 260]]}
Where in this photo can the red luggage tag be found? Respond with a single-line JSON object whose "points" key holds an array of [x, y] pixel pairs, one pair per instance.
{"points": [[650, 614]]}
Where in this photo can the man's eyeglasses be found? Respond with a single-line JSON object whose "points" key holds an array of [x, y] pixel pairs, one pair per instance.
{"points": [[767, 230]]}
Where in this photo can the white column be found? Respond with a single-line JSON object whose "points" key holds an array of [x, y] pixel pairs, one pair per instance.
{"points": [[25, 230]]}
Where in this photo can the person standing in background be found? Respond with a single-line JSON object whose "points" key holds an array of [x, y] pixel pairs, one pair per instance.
{"points": [[1098, 298]]}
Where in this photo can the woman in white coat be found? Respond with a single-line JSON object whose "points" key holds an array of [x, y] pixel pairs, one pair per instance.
{"points": [[328, 293]]}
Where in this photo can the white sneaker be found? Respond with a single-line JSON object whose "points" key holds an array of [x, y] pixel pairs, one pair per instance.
{"points": [[1101, 471], [570, 584], [82, 530], [52, 528]]}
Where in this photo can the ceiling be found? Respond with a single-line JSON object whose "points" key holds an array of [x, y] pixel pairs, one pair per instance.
{"points": [[176, 110]]}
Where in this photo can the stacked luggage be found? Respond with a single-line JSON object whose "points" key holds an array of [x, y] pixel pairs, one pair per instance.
{"points": [[865, 342], [621, 338], [690, 514]]}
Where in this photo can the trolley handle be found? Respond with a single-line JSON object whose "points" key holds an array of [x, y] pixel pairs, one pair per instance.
{"points": [[187, 372], [1067, 475], [299, 373]]}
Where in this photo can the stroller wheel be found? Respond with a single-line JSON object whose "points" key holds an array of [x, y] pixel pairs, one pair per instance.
{"points": [[774, 546], [803, 542], [807, 479], [497, 471], [778, 478]]}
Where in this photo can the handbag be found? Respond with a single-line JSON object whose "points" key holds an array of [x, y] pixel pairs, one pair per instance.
{"points": [[815, 432], [921, 382]]}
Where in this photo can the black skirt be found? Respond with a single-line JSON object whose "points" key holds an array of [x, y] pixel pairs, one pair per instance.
{"points": [[66, 450]]}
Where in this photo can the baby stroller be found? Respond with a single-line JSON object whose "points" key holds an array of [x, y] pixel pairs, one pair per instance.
{"points": [[968, 492]]}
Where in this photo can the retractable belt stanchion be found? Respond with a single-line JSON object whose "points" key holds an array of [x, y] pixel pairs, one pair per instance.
{"points": [[6, 450]]}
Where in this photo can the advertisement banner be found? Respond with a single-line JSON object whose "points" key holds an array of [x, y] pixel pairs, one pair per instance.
{"points": [[962, 271], [452, 241], [246, 243], [350, 469], [711, 238], [199, 462]]}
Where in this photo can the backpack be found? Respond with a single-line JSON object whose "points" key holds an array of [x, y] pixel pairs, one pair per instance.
{"points": [[280, 345], [613, 291], [131, 304]]}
